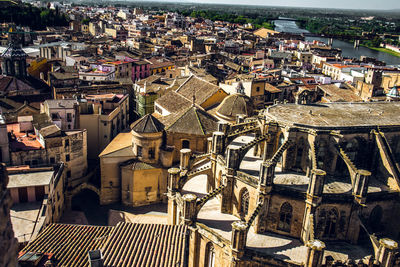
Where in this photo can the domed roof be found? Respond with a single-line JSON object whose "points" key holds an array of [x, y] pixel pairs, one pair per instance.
{"points": [[236, 104], [394, 92], [147, 124]]}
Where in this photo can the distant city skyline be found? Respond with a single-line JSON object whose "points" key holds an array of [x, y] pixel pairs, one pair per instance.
{"points": [[340, 4]]}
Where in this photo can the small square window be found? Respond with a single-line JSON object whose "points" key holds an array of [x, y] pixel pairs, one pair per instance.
{"points": [[67, 157], [52, 160]]}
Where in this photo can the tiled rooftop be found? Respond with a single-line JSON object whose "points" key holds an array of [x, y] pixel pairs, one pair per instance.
{"points": [[24, 142], [135, 244], [69, 244]]}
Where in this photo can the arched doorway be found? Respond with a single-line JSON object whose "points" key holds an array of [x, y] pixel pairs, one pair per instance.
{"points": [[88, 202]]}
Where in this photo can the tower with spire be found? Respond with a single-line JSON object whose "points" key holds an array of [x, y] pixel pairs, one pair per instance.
{"points": [[14, 58]]}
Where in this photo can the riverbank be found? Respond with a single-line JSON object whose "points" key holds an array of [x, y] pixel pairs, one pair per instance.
{"points": [[384, 50]]}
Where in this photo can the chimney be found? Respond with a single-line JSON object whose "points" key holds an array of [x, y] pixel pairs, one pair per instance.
{"points": [[95, 258]]}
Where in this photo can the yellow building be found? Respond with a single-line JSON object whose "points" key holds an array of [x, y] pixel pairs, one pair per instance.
{"points": [[134, 165], [38, 68]]}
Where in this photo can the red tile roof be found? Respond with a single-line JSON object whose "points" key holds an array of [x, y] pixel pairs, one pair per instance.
{"points": [[127, 244], [69, 244], [135, 244]]}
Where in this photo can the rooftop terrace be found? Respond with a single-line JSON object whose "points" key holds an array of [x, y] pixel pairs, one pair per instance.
{"points": [[337, 115]]}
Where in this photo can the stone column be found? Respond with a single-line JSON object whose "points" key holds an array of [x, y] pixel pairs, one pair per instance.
{"points": [[387, 249], [240, 118], [316, 185], [239, 237], [232, 164], [223, 127], [361, 185], [313, 199], [173, 178], [185, 158], [8, 243], [209, 144], [232, 159], [226, 194], [218, 140], [189, 208], [315, 253], [266, 178]]}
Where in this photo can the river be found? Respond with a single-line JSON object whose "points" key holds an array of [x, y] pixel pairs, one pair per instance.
{"points": [[347, 48]]}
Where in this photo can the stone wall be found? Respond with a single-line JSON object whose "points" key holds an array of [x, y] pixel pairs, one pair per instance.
{"points": [[8, 243]]}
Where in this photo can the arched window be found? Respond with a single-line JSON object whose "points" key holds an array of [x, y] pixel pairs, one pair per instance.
{"points": [[210, 256], [352, 148], [280, 143], [185, 144], [244, 202], [299, 153], [321, 153], [285, 217], [375, 218], [331, 223], [395, 145]]}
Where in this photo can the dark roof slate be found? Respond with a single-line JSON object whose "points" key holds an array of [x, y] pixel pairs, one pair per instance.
{"points": [[147, 124], [194, 121]]}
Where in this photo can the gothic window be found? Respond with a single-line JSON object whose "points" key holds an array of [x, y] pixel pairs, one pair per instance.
{"points": [[210, 255], [244, 202], [185, 144], [285, 217], [321, 153], [395, 144], [375, 219], [352, 149], [331, 223], [299, 154], [151, 153], [280, 143]]}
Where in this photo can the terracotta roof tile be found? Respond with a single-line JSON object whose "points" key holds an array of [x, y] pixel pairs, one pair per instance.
{"points": [[201, 89], [193, 121], [135, 244], [69, 244]]}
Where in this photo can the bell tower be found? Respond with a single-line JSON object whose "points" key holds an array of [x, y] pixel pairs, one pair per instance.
{"points": [[14, 58]]}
